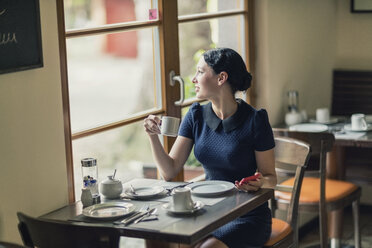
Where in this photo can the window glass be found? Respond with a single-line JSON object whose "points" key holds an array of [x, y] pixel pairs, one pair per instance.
{"points": [[196, 37], [207, 6], [106, 79], [90, 13], [126, 149]]}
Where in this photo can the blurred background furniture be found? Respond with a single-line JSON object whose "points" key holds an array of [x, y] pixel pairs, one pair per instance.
{"points": [[295, 154], [319, 194], [10, 245], [352, 93], [42, 233]]}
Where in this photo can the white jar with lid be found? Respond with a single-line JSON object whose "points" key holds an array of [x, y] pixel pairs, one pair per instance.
{"points": [[111, 188]]}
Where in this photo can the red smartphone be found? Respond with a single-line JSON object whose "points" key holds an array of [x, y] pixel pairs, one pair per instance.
{"points": [[247, 179]]}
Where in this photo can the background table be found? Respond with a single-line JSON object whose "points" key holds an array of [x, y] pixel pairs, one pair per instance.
{"points": [[336, 167]]}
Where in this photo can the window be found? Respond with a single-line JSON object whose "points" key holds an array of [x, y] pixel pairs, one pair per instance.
{"points": [[115, 64]]}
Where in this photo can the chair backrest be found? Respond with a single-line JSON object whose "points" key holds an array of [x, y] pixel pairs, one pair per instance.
{"points": [[320, 143], [352, 92], [42, 233], [295, 154]]}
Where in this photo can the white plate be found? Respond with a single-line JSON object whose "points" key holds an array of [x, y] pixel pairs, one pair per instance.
{"points": [[144, 192], [330, 121], [211, 188], [348, 128], [197, 206], [109, 210], [309, 127]]}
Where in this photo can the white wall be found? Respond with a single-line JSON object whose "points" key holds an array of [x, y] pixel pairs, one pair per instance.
{"points": [[295, 44], [32, 151], [354, 39], [298, 45]]}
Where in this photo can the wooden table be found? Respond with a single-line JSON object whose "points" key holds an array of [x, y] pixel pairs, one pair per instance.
{"points": [[181, 229]]}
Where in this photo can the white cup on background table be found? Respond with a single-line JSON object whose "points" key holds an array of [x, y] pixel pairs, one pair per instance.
{"points": [[358, 122], [322, 115]]}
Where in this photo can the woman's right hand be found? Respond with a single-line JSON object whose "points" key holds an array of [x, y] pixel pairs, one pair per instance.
{"points": [[151, 125]]}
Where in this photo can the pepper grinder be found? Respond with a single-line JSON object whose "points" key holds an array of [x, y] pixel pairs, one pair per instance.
{"points": [[293, 116], [86, 197]]}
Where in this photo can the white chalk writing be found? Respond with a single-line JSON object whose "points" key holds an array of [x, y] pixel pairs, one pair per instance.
{"points": [[7, 38], [2, 11]]}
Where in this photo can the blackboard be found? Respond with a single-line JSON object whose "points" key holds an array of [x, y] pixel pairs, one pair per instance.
{"points": [[20, 35]]}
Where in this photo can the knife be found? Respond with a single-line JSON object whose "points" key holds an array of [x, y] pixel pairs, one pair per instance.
{"points": [[136, 216]]}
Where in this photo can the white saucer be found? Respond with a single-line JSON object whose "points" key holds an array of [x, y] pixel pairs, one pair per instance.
{"points": [[348, 128], [330, 121], [309, 127], [197, 206]]}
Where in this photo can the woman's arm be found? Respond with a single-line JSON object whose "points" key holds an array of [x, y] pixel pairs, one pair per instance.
{"points": [[266, 167], [170, 164]]}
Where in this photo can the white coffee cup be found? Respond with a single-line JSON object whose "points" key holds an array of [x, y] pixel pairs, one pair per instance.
{"points": [[182, 199], [169, 126], [322, 115], [358, 122]]}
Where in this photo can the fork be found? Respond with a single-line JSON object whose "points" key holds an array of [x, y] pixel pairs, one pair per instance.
{"points": [[143, 209], [140, 215], [151, 212]]}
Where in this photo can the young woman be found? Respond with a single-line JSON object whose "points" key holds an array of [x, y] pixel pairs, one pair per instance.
{"points": [[232, 140]]}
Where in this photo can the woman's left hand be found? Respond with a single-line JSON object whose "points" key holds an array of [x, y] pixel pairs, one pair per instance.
{"points": [[251, 185]]}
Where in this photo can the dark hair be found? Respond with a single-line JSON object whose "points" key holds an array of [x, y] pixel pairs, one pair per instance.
{"points": [[229, 61]]}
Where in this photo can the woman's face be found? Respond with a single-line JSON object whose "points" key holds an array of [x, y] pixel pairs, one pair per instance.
{"points": [[205, 80]]}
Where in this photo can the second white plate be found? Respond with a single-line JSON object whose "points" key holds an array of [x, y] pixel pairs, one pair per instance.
{"points": [[211, 187], [330, 121], [309, 127], [144, 192]]}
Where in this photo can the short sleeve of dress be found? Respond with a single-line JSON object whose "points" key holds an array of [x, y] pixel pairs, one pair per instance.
{"points": [[263, 133], [187, 124]]}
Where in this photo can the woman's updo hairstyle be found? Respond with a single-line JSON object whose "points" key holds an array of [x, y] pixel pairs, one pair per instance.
{"points": [[229, 61]]}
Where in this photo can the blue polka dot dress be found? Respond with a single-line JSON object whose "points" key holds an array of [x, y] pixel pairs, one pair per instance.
{"points": [[226, 149]]}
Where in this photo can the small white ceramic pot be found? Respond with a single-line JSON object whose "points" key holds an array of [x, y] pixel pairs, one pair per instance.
{"points": [[111, 188]]}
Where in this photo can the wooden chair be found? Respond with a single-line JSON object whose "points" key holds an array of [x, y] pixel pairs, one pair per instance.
{"points": [[291, 154], [319, 194], [41, 233]]}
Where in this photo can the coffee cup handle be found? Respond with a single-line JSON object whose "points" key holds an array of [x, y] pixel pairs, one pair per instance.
{"points": [[364, 123]]}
